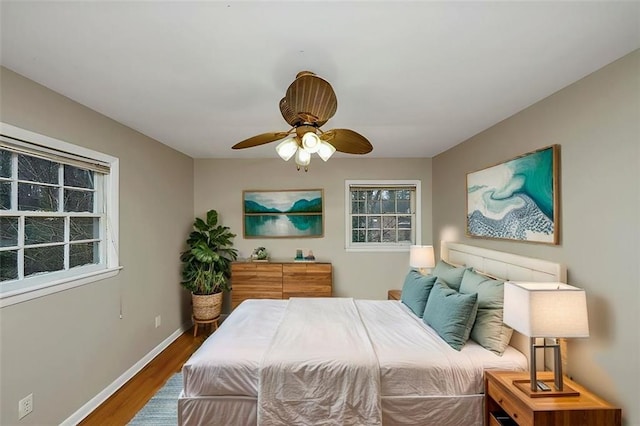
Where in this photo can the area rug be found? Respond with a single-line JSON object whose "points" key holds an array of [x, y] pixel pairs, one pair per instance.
{"points": [[162, 409]]}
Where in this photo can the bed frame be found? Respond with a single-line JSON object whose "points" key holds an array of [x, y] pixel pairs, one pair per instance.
{"points": [[506, 266]]}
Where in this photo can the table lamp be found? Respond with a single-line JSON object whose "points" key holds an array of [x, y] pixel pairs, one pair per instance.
{"points": [[421, 258], [547, 310]]}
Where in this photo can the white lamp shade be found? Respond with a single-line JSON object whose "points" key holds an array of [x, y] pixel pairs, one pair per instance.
{"points": [[553, 310], [287, 148], [326, 150], [303, 158], [311, 142], [421, 257]]}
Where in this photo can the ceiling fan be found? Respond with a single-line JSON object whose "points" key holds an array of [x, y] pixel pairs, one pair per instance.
{"points": [[307, 105]]}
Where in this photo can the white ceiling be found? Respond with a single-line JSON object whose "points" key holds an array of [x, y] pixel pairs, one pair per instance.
{"points": [[415, 78]]}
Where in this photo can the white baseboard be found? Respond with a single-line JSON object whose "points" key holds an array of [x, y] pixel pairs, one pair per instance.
{"points": [[95, 402]]}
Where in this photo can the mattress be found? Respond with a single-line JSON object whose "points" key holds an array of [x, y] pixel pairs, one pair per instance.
{"points": [[413, 360]]}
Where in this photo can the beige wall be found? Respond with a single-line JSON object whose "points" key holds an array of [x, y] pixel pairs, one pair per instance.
{"points": [[219, 185], [596, 123], [68, 347]]}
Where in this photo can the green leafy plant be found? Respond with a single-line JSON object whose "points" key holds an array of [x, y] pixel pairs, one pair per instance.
{"points": [[206, 265]]}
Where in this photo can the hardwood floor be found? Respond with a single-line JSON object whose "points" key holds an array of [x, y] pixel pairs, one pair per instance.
{"points": [[123, 405]]}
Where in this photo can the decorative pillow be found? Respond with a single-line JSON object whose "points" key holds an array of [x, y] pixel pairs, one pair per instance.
{"points": [[451, 314], [451, 275], [488, 330], [415, 291]]}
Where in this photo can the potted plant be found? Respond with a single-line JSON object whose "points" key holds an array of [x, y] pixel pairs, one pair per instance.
{"points": [[206, 266]]}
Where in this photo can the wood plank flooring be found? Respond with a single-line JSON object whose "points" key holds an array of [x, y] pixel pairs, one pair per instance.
{"points": [[123, 405]]}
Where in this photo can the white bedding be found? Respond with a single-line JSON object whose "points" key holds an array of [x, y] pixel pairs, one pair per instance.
{"points": [[418, 372], [320, 367]]}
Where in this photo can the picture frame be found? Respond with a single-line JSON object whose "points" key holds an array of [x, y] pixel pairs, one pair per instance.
{"points": [[289, 213], [517, 199]]}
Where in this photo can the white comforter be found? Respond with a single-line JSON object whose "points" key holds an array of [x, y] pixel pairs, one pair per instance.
{"points": [[415, 367], [320, 368]]}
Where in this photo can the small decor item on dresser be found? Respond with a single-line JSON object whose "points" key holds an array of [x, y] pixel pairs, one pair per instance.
{"points": [[304, 255], [260, 254]]}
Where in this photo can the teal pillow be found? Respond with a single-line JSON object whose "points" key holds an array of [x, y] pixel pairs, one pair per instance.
{"points": [[451, 275], [451, 314], [488, 330], [415, 291]]}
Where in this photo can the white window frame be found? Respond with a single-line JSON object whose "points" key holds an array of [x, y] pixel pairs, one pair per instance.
{"points": [[382, 247], [12, 292]]}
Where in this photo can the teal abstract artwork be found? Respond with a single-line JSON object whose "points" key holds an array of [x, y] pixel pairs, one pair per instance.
{"points": [[517, 199]]}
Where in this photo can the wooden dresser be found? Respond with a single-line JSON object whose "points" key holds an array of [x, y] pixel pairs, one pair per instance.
{"points": [[279, 280]]}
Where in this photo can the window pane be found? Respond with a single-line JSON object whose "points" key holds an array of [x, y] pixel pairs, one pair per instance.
{"points": [[404, 206], [80, 178], [389, 206], [357, 236], [404, 221], [84, 228], [37, 197], [43, 259], [5, 164], [39, 230], [8, 265], [78, 201], [374, 222], [388, 221], [373, 236], [37, 169], [389, 236], [83, 254], [5, 195], [405, 235], [8, 231]]}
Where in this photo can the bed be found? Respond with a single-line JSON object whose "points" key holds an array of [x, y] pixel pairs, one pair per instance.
{"points": [[345, 361]]}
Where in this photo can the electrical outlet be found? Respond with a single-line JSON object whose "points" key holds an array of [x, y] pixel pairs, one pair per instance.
{"points": [[25, 406], [158, 321]]}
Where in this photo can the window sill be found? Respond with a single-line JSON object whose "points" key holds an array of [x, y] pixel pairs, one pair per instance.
{"points": [[26, 294]]}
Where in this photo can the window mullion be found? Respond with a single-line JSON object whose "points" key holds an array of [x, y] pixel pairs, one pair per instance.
{"points": [[14, 183], [67, 246], [21, 246]]}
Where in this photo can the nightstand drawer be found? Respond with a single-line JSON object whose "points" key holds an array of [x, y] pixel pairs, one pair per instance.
{"points": [[501, 419], [519, 414]]}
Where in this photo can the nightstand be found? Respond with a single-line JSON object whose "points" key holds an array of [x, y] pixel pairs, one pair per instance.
{"points": [[394, 294], [503, 400]]}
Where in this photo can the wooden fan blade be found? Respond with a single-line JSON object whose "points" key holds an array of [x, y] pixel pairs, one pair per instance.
{"points": [[347, 141], [311, 98], [260, 140]]}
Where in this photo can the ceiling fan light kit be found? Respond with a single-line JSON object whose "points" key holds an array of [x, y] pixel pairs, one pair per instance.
{"points": [[287, 148], [308, 104], [303, 158], [326, 150]]}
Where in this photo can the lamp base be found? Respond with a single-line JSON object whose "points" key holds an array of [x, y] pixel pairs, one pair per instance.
{"points": [[525, 386]]}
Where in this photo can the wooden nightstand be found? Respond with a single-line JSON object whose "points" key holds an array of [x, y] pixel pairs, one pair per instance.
{"points": [[502, 396], [394, 294]]}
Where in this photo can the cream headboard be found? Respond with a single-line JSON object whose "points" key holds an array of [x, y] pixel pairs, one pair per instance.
{"points": [[505, 266]]}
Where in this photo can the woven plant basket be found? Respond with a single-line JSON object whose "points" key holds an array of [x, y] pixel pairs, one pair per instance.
{"points": [[206, 307]]}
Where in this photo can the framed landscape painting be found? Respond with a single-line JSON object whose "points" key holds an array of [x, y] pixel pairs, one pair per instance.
{"points": [[293, 213], [517, 199]]}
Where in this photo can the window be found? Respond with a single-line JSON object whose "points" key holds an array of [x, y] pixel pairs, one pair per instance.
{"points": [[382, 215], [58, 215]]}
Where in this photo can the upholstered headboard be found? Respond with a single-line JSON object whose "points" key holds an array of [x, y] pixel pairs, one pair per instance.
{"points": [[506, 266]]}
